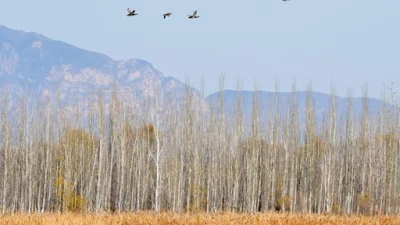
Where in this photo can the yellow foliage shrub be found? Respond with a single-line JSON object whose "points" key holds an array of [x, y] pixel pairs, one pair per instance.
{"points": [[364, 202], [75, 203], [69, 199], [78, 138], [145, 133], [284, 203], [336, 209]]}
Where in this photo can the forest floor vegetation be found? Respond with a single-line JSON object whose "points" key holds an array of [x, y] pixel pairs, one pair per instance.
{"points": [[150, 218]]}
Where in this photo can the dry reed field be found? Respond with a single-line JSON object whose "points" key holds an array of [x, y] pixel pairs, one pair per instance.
{"points": [[147, 218]]}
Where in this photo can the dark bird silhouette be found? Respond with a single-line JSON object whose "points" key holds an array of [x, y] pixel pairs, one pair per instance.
{"points": [[167, 15], [285, 0], [131, 13], [194, 16]]}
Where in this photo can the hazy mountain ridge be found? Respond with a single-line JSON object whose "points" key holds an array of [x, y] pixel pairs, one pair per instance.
{"points": [[36, 64], [33, 63], [267, 103]]}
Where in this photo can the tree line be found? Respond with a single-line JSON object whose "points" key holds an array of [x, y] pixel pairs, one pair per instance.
{"points": [[163, 154]]}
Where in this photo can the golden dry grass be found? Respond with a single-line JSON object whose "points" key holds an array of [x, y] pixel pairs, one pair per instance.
{"points": [[148, 218]]}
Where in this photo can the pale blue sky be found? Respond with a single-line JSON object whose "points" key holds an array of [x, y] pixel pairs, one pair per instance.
{"points": [[348, 42]]}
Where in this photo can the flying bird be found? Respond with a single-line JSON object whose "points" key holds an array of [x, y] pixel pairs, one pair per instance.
{"points": [[167, 15], [194, 16], [131, 13]]}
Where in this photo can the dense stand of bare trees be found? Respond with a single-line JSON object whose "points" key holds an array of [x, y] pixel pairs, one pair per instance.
{"points": [[163, 154]]}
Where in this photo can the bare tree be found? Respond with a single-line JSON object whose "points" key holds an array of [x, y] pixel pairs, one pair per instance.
{"points": [[119, 152]]}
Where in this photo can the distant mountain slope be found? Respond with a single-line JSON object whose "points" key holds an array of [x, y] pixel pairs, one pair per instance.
{"points": [[33, 63], [322, 103]]}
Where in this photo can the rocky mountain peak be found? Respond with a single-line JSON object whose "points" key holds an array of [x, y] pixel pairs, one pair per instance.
{"points": [[30, 61]]}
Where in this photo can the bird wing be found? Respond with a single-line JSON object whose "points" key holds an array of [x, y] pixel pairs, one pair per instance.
{"points": [[129, 11], [133, 11], [195, 13]]}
